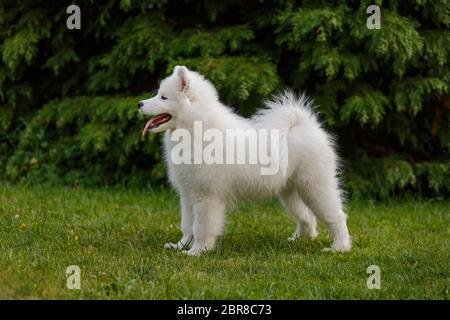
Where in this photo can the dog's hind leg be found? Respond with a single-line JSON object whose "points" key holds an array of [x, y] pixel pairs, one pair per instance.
{"points": [[323, 197], [187, 221], [306, 221], [209, 220]]}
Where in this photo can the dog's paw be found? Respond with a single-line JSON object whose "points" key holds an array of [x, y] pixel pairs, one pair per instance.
{"points": [[176, 246], [310, 235], [183, 244], [198, 250], [171, 245], [345, 247], [313, 234], [194, 252]]}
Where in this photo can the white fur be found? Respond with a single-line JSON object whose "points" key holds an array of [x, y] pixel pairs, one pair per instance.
{"points": [[308, 186]]}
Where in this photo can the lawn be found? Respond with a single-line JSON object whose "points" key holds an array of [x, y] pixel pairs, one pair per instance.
{"points": [[116, 237]]}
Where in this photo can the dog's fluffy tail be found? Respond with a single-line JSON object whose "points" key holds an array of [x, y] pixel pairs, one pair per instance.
{"points": [[287, 110]]}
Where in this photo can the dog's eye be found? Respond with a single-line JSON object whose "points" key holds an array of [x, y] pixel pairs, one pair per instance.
{"points": [[164, 97]]}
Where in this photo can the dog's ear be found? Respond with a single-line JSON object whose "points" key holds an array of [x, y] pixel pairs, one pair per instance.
{"points": [[182, 73]]}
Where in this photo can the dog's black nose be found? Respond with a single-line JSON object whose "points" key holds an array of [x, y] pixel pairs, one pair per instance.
{"points": [[140, 104]]}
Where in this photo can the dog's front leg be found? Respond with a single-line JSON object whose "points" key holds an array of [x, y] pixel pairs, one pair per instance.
{"points": [[187, 221], [209, 218]]}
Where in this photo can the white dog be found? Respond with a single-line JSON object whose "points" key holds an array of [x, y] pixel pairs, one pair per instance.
{"points": [[306, 181]]}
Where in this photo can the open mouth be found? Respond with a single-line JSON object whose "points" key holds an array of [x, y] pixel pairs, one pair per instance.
{"points": [[155, 122]]}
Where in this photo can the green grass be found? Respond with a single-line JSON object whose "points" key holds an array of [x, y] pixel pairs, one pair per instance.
{"points": [[116, 238]]}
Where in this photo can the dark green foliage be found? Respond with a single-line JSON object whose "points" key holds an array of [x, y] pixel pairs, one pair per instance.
{"points": [[67, 97], [88, 140]]}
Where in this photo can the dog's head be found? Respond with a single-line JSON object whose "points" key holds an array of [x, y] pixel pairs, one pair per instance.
{"points": [[179, 96]]}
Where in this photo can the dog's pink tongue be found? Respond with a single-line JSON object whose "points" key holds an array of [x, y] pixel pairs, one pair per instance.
{"points": [[151, 123], [155, 121]]}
